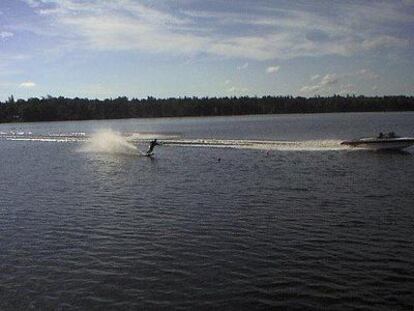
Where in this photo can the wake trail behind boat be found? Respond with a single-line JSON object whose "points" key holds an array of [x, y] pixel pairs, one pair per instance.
{"points": [[309, 145], [109, 141]]}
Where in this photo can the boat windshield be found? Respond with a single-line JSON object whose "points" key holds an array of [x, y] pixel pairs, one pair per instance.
{"points": [[387, 136]]}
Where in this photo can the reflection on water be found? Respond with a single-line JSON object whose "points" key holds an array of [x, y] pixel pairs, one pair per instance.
{"points": [[306, 229]]}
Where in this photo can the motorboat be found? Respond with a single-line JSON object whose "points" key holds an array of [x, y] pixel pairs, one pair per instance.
{"points": [[388, 141]]}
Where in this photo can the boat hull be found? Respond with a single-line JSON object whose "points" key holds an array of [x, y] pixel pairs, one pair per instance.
{"points": [[381, 144]]}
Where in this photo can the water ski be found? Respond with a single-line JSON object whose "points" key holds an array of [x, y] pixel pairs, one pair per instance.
{"points": [[149, 154]]}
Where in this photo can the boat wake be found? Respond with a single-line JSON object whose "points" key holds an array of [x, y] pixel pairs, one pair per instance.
{"points": [[29, 136], [109, 141], [309, 145]]}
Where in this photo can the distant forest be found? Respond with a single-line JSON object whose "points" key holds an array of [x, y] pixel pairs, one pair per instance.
{"points": [[61, 108]]}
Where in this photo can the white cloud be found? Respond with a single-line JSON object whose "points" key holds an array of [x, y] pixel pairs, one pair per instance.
{"points": [[338, 82], [27, 84], [329, 79], [276, 33], [238, 90], [315, 77], [324, 85], [235, 88], [122, 33], [383, 41], [347, 89], [6, 34], [366, 74], [310, 88], [272, 69]]}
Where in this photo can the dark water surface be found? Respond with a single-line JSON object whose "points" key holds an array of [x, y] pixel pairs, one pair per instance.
{"points": [[299, 228]]}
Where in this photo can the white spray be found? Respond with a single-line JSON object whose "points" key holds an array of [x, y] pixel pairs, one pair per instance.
{"points": [[108, 141]]}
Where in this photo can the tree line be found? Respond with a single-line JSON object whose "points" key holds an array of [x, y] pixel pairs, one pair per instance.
{"points": [[61, 108]]}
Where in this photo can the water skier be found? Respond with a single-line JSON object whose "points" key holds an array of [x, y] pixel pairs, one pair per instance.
{"points": [[153, 143]]}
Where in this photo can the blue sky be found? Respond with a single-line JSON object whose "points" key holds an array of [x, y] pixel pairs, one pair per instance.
{"points": [[163, 48]]}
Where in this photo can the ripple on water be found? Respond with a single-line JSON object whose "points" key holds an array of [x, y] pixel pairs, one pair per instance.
{"points": [[183, 232]]}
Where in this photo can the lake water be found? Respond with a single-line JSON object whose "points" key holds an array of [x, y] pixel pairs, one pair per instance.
{"points": [[252, 212]]}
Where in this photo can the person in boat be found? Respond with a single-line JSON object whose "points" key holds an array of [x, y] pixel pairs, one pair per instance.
{"points": [[152, 145]]}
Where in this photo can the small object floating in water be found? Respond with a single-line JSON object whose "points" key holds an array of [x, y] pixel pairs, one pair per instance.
{"points": [[388, 141]]}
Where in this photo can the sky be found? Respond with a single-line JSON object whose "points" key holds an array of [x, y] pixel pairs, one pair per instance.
{"points": [[177, 48]]}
